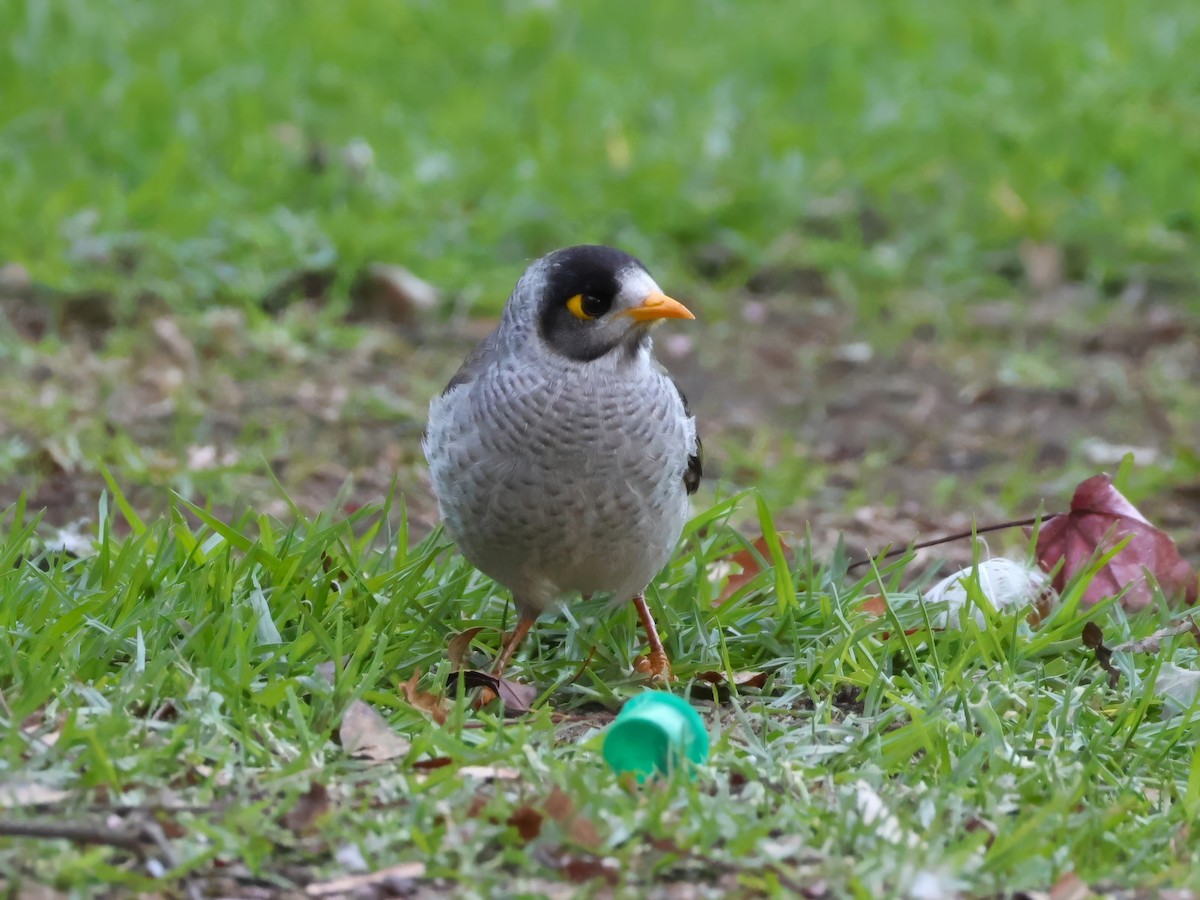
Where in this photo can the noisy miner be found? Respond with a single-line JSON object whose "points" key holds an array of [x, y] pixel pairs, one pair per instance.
{"points": [[561, 452]]}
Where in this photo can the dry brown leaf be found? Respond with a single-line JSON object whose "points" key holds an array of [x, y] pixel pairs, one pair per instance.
{"points": [[365, 734], [749, 567], [423, 700], [1181, 842], [36, 730], [527, 821], [1093, 639], [740, 679], [460, 645], [1044, 265], [1070, 887], [434, 762], [25, 794], [586, 867], [310, 806], [395, 879], [517, 698], [580, 830], [875, 607], [478, 804], [559, 805], [390, 293]]}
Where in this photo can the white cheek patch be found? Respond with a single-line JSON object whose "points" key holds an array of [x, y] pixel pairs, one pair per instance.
{"points": [[635, 285]]}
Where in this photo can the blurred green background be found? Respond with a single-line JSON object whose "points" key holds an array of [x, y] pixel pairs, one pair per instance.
{"points": [[993, 205], [499, 131]]}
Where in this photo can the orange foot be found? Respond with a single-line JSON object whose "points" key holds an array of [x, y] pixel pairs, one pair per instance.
{"points": [[655, 663], [655, 666]]}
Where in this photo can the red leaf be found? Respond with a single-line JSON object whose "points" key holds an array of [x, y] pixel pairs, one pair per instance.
{"points": [[1099, 519]]}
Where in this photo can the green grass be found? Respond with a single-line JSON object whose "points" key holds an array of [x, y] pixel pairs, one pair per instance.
{"points": [[178, 162], [174, 675], [161, 156], [174, 141]]}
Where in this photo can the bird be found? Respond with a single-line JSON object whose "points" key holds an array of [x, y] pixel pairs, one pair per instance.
{"points": [[562, 453]]}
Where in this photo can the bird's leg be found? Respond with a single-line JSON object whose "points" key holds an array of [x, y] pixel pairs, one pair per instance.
{"points": [[655, 663], [512, 640]]}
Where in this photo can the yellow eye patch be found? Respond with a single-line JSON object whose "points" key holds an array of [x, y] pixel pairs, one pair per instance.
{"points": [[575, 305]]}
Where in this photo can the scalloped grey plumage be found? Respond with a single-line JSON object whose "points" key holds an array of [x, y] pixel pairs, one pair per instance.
{"points": [[557, 476]]}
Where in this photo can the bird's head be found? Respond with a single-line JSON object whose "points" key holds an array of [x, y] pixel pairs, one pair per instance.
{"points": [[592, 300]]}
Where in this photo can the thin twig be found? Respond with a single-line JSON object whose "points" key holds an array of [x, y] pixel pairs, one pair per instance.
{"points": [[79, 834], [1153, 643], [582, 666], [152, 830], [900, 551]]}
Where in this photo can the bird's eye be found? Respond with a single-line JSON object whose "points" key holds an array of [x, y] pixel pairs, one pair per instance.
{"points": [[584, 306]]}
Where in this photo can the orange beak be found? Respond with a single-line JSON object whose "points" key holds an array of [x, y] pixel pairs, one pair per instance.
{"points": [[659, 306]]}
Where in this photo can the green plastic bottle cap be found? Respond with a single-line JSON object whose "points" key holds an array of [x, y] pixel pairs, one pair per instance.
{"points": [[654, 734]]}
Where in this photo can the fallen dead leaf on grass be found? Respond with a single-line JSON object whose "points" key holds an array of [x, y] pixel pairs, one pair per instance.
{"points": [[433, 704], [876, 607], [748, 566], [1099, 519], [558, 807], [389, 293], [527, 822], [24, 794], [310, 806], [1093, 639], [365, 734], [517, 698], [1070, 887], [740, 679], [579, 868], [434, 762], [460, 645], [1178, 687], [580, 830]]}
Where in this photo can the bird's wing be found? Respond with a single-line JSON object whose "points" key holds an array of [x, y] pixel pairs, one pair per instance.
{"points": [[474, 363], [695, 466]]}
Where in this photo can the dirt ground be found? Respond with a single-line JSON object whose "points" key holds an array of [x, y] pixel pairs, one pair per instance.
{"points": [[885, 436]]}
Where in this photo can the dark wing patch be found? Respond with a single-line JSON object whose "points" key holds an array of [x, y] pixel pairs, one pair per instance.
{"points": [[691, 478], [695, 465], [473, 364]]}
